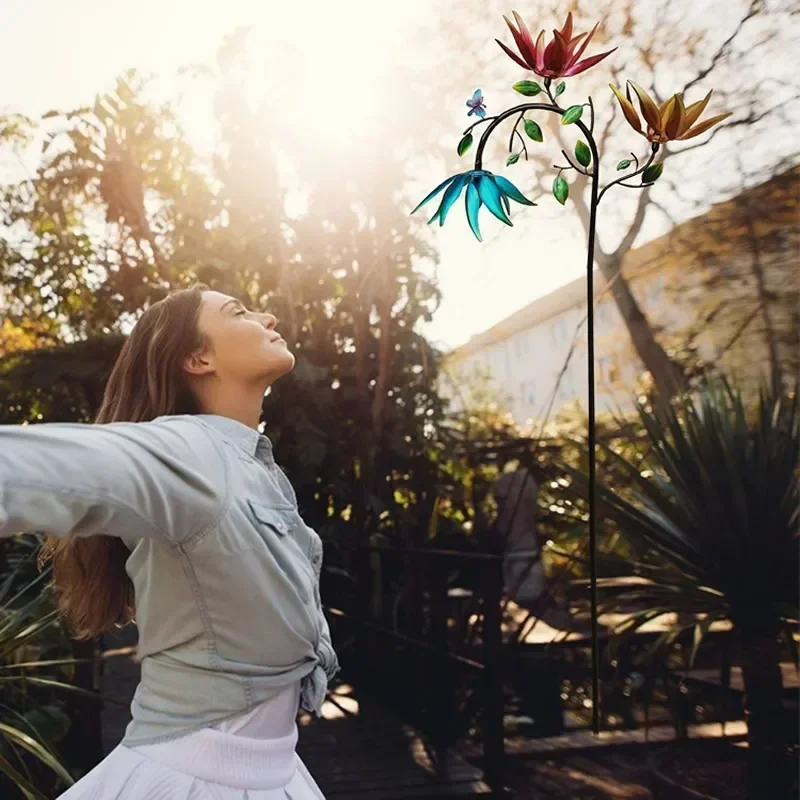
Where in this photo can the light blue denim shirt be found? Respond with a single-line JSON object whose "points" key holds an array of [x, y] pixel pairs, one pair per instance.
{"points": [[225, 571]]}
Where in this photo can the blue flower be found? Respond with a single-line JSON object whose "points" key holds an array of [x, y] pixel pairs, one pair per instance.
{"points": [[483, 189], [476, 105]]}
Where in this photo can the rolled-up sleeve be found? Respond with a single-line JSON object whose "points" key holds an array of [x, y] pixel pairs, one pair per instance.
{"points": [[164, 479]]}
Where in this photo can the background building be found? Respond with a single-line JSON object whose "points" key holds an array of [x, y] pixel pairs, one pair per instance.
{"points": [[724, 285]]}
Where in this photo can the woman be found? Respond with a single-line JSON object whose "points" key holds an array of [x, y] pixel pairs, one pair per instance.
{"points": [[175, 506]]}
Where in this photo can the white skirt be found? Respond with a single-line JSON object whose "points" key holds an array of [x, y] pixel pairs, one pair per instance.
{"points": [[127, 775], [225, 762]]}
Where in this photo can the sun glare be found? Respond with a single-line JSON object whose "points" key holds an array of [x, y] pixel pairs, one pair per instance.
{"points": [[325, 68]]}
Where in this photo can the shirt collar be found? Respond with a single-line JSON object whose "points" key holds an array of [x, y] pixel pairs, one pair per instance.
{"points": [[251, 441]]}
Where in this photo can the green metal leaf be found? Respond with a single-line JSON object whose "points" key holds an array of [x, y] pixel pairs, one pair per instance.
{"points": [[583, 155], [561, 88], [465, 144], [572, 114], [527, 88], [512, 159], [560, 190], [653, 173], [624, 164], [533, 130]]}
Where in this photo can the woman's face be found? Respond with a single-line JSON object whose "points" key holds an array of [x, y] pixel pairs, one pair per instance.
{"points": [[242, 346]]}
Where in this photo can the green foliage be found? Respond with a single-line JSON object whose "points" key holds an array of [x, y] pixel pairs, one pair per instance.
{"points": [[712, 518], [713, 508], [109, 164], [35, 669], [120, 209]]}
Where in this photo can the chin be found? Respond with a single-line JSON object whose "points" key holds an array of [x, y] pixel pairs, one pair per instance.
{"points": [[281, 365]]}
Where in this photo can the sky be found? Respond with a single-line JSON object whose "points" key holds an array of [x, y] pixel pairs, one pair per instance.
{"points": [[58, 55]]}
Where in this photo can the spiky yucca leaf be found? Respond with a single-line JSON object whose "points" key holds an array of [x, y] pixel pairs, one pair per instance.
{"points": [[25, 626], [713, 511]]}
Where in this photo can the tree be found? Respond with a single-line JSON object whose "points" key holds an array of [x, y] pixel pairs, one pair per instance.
{"points": [[351, 423], [106, 222]]}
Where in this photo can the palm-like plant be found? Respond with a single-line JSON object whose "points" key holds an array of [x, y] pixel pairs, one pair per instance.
{"points": [[713, 513], [32, 643]]}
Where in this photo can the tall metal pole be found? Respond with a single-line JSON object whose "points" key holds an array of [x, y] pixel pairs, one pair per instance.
{"points": [[593, 440]]}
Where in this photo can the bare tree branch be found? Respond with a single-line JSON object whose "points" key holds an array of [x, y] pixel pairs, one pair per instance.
{"points": [[636, 225], [665, 211], [753, 10]]}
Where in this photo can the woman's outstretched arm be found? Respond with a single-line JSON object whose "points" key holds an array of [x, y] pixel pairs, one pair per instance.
{"points": [[164, 479]]}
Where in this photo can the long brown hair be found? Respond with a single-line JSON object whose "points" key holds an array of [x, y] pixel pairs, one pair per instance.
{"points": [[94, 591]]}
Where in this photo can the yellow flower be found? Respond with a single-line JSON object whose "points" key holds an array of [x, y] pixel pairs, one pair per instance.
{"points": [[673, 120]]}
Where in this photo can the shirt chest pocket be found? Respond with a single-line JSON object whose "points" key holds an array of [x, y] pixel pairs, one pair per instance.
{"points": [[277, 528]]}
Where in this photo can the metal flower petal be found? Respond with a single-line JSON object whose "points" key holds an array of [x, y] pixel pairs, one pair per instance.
{"points": [[627, 109], [650, 110], [473, 203], [671, 121], [452, 193], [483, 189], [561, 57], [509, 190], [433, 194], [491, 198]]}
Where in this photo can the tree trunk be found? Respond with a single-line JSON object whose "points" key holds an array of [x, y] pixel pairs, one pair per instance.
{"points": [[769, 773], [385, 344], [360, 496], [764, 301], [668, 377]]}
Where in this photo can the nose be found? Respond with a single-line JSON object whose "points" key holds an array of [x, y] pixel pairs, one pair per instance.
{"points": [[269, 321]]}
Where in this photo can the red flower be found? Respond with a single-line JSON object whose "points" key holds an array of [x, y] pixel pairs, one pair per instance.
{"points": [[560, 58]]}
